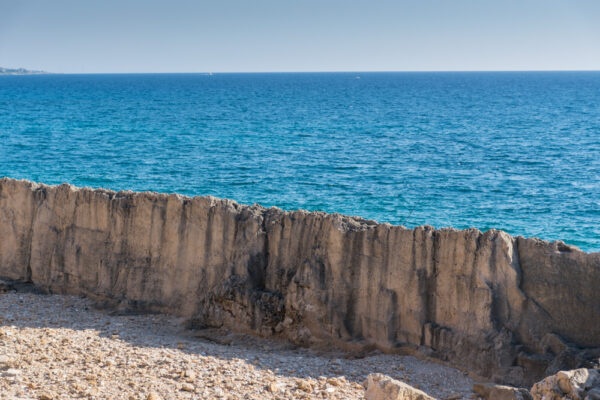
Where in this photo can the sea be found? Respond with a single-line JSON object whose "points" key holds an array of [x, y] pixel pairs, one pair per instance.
{"points": [[517, 151]]}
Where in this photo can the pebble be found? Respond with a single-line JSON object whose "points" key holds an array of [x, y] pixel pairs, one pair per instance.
{"points": [[273, 387], [334, 381], [304, 385], [186, 387], [189, 373], [11, 372]]}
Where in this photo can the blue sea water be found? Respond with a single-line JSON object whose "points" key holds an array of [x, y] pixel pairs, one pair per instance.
{"points": [[513, 151]]}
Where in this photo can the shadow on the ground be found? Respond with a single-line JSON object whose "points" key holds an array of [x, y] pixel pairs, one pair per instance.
{"points": [[19, 307]]}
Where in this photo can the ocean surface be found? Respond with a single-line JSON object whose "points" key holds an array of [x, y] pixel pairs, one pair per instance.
{"points": [[513, 151]]}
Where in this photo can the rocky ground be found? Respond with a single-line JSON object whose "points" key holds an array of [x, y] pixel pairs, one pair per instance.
{"points": [[61, 347]]}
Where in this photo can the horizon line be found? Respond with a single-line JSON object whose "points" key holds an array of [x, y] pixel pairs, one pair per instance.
{"points": [[307, 72]]}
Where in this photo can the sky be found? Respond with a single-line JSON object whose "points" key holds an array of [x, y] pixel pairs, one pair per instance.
{"points": [[85, 36]]}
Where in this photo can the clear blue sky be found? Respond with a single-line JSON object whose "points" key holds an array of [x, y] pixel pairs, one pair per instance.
{"points": [[299, 35]]}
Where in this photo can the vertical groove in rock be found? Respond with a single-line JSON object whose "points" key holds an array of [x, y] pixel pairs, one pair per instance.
{"points": [[29, 241]]}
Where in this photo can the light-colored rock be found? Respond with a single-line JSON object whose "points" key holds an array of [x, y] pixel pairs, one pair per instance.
{"points": [[490, 391], [273, 387], [381, 387], [577, 384], [334, 381], [5, 362], [304, 385], [186, 387], [473, 298], [11, 372], [189, 373]]}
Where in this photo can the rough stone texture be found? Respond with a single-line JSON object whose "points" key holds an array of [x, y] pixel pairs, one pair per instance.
{"points": [[513, 309], [381, 387], [578, 384], [500, 392]]}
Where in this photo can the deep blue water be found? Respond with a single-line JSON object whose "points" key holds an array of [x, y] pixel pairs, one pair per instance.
{"points": [[514, 151]]}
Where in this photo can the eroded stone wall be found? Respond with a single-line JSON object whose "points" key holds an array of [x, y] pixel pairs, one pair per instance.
{"points": [[509, 308]]}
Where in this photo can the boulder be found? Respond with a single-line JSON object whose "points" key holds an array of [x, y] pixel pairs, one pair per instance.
{"points": [[382, 387], [577, 384], [490, 391]]}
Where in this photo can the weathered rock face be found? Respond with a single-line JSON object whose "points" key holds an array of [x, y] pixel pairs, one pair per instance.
{"points": [[510, 308]]}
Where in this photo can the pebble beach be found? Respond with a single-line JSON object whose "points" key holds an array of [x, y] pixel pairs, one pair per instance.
{"points": [[62, 347]]}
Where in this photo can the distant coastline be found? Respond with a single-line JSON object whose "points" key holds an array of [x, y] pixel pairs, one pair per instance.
{"points": [[20, 71]]}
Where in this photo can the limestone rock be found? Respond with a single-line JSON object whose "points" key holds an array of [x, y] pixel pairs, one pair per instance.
{"points": [[577, 384], [11, 372], [304, 385], [381, 387], [189, 373], [334, 381], [475, 299], [273, 387], [491, 391], [5, 362], [186, 387], [553, 343]]}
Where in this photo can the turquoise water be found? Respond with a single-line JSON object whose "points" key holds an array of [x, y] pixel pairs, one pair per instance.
{"points": [[513, 151]]}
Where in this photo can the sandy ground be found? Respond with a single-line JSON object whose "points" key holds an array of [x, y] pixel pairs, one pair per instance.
{"points": [[61, 347]]}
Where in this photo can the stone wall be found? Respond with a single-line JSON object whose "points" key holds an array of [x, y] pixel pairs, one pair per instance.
{"points": [[513, 309]]}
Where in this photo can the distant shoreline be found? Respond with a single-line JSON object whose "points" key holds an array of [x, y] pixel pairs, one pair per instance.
{"points": [[20, 71]]}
